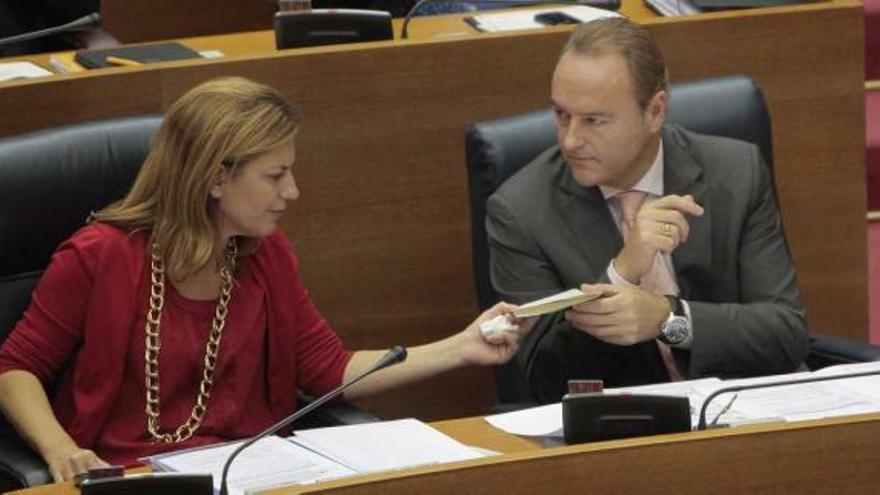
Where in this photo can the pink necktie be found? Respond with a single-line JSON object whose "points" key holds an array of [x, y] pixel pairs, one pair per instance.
{"points": [[659, 280]]}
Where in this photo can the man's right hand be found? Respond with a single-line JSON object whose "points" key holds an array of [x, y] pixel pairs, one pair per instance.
{"points": [[661, 226], [66, 462]]}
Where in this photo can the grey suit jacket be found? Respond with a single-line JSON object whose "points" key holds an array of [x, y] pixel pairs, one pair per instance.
{"points": [[547, 233]]}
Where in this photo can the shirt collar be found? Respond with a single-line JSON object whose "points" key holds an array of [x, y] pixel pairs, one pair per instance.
{"points": [[651, 182]]}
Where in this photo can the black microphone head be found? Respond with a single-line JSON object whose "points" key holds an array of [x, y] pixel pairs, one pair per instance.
{"points": [[85, 23], [395, 355], [96, 19], [399, 354]]}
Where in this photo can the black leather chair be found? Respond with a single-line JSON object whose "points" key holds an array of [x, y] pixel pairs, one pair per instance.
{"points": [[49, 183], [730, 106]]}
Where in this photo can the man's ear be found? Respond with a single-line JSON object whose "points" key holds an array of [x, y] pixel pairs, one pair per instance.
{"points": [[220, 179], [655, 113]]}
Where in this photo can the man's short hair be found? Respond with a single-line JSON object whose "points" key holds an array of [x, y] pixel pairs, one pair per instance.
{"points": [[634, 42]]}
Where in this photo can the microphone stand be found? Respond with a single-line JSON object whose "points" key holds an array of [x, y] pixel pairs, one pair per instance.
{"points": [[84, 23], [701, 425], [394, 356]]}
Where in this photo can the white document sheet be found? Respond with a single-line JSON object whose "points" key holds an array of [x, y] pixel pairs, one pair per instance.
{"points": [[541, 421], [383, 446], [868, 385], [271, 462], [21, 70], [819, 399]]}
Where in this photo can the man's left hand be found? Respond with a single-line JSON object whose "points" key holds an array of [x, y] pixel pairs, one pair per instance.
{"points": [[622, 316]]}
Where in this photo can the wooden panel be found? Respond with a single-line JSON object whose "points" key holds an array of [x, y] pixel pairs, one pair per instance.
{"points": [[135, 22], [813, 457], [382, 225]]}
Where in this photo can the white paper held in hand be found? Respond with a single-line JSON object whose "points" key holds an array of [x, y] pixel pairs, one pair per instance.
{"points": [[556, 302], [550, 304]]}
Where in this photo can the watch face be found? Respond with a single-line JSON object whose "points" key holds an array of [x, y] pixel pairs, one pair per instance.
{"points": [[675, 331]]}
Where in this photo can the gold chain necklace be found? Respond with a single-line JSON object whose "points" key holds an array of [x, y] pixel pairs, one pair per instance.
{"points": [[153, 343]]}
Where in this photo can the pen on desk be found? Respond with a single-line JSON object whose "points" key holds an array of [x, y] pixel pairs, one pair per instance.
{"points": [[123, 62]]}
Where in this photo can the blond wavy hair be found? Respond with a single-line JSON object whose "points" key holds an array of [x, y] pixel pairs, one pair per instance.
{"points": [[220, 124]]}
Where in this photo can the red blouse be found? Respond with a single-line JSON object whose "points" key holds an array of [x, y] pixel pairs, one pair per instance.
{"points": [[86, 323]]}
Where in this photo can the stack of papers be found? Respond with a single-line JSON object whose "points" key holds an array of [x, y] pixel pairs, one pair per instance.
{"points": [[799, 402], [271, 462], [320, 454]]}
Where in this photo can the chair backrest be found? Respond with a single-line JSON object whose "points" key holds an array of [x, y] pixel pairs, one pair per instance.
{"points": [[49, 183], [730, 106], [51, 180]]}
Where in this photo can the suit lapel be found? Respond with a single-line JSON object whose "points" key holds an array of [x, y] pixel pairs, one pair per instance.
{"points": [[590, 223], [683, 175]]}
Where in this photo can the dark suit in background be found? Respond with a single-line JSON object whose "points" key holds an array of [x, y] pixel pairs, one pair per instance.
{"points": [[547, 234]]}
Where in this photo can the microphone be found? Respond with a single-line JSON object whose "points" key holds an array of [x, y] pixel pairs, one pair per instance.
{"points": [[602, 4], [84, 23], [396, 355], [701, 425]]}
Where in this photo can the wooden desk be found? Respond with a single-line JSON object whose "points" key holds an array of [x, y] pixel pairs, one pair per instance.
{"points": [[813, 457], [382, 224]]}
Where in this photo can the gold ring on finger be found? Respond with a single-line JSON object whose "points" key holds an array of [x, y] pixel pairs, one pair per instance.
{"points": [[667, 229]]}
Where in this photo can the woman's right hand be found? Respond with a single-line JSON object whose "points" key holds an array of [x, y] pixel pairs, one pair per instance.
{"points": [[24, 402], [66, 462]]}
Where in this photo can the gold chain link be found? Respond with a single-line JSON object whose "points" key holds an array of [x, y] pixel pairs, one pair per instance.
{"points": [[153, 343]]}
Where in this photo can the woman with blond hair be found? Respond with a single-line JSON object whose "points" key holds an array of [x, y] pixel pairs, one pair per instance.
{"points": [[176, 317]]}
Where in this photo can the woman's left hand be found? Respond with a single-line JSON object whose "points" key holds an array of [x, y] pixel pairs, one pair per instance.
{"points": [[498, 347]]}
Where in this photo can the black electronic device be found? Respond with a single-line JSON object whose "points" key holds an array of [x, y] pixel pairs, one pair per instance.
{"points": [[143, 54], [592, 417], [602, 4], [555, 18], [149, 484], [300, 28]]}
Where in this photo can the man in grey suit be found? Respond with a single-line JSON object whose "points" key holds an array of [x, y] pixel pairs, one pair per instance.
{"points": [[679, 232]]}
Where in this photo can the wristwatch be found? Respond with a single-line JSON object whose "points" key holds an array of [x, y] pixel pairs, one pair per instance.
{"points": [[677, 328]]}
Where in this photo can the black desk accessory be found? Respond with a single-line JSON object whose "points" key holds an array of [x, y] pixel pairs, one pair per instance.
{"points": [[299, 28], [555, 18], [149, 484], [145, 54], [593, 417]]}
